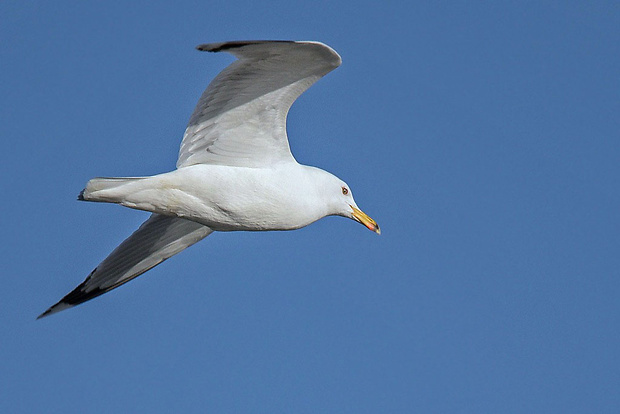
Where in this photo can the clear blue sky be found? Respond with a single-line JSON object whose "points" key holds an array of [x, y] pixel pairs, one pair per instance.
{"points": [[483, 137]]}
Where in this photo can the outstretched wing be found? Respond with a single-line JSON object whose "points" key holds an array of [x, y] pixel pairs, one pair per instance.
{"points": [[240, 119], [157, 239]]}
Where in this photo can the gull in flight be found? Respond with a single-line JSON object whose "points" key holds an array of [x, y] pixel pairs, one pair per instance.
{"points": [[235, 170]]}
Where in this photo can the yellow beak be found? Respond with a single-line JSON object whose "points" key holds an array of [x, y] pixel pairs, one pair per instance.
{"points": [[363, 218]]}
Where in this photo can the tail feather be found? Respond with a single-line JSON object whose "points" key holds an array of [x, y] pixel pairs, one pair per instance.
{"points": [[98, 189]]}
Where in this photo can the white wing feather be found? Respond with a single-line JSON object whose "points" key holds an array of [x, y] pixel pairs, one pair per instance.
{"points": [[157, 239], [240, 119]]}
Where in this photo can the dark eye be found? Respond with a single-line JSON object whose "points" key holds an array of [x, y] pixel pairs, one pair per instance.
{"points": [[345, 190]]}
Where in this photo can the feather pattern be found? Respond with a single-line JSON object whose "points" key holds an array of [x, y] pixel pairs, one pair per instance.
{"points": [[240, 119], [157, 239]]}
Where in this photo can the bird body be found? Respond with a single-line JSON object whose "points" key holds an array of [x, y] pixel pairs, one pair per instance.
{"points": [[235, 171], [228, 198]]}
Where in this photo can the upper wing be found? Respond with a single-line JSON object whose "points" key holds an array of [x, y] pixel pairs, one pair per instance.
{"points": [[157, 239], [240, 119]]}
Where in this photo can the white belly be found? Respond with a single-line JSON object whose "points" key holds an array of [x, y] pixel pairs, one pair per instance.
{"points": [[229, 198]]}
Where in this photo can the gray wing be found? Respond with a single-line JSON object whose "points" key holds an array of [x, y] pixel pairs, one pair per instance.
{"points": [[157, 239], [240, 119]]}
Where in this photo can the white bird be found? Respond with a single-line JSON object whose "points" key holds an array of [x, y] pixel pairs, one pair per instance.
{"points": [[235, 170]]}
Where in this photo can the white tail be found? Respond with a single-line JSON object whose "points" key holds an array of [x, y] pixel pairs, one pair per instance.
{"points": [[102, 188]]}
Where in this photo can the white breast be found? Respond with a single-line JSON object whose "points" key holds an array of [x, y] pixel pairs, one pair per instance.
{"points": [[235, 198]]}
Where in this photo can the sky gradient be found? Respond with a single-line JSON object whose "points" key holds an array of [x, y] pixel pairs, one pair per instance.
{"points": [[483, 138]]}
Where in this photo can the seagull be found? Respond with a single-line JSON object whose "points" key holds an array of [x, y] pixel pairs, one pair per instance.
{"points": [[235, 170]]}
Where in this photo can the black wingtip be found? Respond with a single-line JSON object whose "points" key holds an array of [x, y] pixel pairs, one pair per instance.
{"points": [[218, 47], [76, 296], [55, 309], [80, 196], [44, 314]]}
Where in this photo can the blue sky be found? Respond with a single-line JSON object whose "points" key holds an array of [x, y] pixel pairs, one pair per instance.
{"points": [[482, 137]]}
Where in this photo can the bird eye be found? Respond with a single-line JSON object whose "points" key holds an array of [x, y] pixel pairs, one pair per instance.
{"points": [[345, 190]]}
